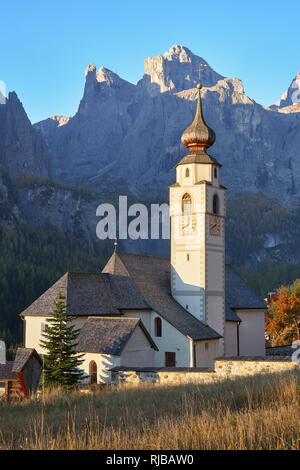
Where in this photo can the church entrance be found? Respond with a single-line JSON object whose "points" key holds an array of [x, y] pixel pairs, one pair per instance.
{"points": [[93, 372]]}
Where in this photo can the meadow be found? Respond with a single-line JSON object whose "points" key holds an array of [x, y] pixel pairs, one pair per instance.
{"points": [[260, 412]]}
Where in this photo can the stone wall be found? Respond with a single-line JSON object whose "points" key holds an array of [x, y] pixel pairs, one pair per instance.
{"points": [[224, 368], [279, 350], [245, 366], [162, 376]]}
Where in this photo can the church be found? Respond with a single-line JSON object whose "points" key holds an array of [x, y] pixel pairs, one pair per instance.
{"points": [[150, 312]]}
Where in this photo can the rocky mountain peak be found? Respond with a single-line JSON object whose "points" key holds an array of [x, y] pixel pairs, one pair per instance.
{"points": [[291, 97], [177, 70], [90, 71], [2, 98], [22, 148], [110, 78]]}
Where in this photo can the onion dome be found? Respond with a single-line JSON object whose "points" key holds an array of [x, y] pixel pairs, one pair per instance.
{"points": [[198, 136]]}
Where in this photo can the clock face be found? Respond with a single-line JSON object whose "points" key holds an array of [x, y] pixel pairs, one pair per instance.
{"points": [[188, 224], [214, 225]]}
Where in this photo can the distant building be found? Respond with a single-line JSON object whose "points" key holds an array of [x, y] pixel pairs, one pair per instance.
{"points": [[145, 311], [20, 378]]}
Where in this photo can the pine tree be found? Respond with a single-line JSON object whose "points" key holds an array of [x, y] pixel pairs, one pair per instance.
{"points": [[61, 361]]}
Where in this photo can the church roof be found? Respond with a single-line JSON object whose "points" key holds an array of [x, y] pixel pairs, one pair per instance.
{"points": [[238, 295], [198, 157], [90, 294], [109, 335], [151, 276], [140, 282]]}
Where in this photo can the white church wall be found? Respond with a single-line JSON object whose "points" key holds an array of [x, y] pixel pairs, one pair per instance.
{"points": [[230, 338], [252, 333], [215, 273], [211, 191], [138, 352], [33, 330], [170, 341], [215, 307], [206, 352], [188, 250], [203, 172], [104, 363]]}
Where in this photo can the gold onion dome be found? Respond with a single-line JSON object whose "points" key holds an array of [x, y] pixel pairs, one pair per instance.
{"points": [[198, 136]]}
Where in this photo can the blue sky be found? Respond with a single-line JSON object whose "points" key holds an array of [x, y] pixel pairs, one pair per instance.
{"points": [[46, 46]]}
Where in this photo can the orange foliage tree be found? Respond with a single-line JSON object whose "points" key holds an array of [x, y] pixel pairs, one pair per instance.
{"points": [[283, 319]]}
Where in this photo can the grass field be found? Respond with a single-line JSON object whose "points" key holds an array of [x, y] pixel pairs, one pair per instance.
{"points": [[247, 413]]}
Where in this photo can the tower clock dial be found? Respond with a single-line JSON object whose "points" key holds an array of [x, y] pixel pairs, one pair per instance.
{"points": [[214, 225]]}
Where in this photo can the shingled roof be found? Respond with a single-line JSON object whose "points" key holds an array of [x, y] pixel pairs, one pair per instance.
{"points": [[86, 294], [6, 371], [109, 335], [238, 295], [151, 276], [132, 281], [22, 357]]}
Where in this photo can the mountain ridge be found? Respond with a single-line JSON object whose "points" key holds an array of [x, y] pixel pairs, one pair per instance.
{"points": [[131, 133]]}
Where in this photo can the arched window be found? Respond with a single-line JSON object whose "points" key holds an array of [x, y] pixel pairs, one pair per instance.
{"points": [[93, 372], [215, 204], [187, 173], [158, 326], [187, 204]]}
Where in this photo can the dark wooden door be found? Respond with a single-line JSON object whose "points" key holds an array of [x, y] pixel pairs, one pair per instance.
{"points": [[170, 359]]}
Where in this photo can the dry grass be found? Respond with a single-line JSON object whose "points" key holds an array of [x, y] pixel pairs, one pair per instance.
{"points": [[249, 413]]}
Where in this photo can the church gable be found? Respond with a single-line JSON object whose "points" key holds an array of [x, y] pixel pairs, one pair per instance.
{"points": [[110, 335], [151, 276]]}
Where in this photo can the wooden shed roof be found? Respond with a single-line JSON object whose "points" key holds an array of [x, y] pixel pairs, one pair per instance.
{"points": [[6, 371]]}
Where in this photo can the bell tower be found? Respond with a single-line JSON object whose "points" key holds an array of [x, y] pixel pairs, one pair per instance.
{"points": [[197, 209]]}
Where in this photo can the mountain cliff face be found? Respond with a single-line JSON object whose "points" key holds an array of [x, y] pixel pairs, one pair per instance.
{"points": [[22, 148], [177, 70], [126, 137], [290, 100]]}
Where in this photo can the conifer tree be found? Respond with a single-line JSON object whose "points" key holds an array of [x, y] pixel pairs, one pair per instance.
{"points": [[61, 361]]}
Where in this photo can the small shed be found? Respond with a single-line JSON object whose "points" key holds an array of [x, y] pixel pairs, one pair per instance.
{"points": [[20, 378]]}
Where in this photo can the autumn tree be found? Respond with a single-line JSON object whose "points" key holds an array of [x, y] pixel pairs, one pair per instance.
{"points": [[283, 320]]}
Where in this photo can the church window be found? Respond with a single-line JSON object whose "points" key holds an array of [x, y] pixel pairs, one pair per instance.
{"points": [[215, 172], [215, 204], [206, 346], [93, 372], [187, 204], [158, 327], [188, 257], [170, 358], [187, 173]]}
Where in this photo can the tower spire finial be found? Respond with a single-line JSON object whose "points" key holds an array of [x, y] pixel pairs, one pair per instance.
{"points": [[198, 136], [115, 244]]}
